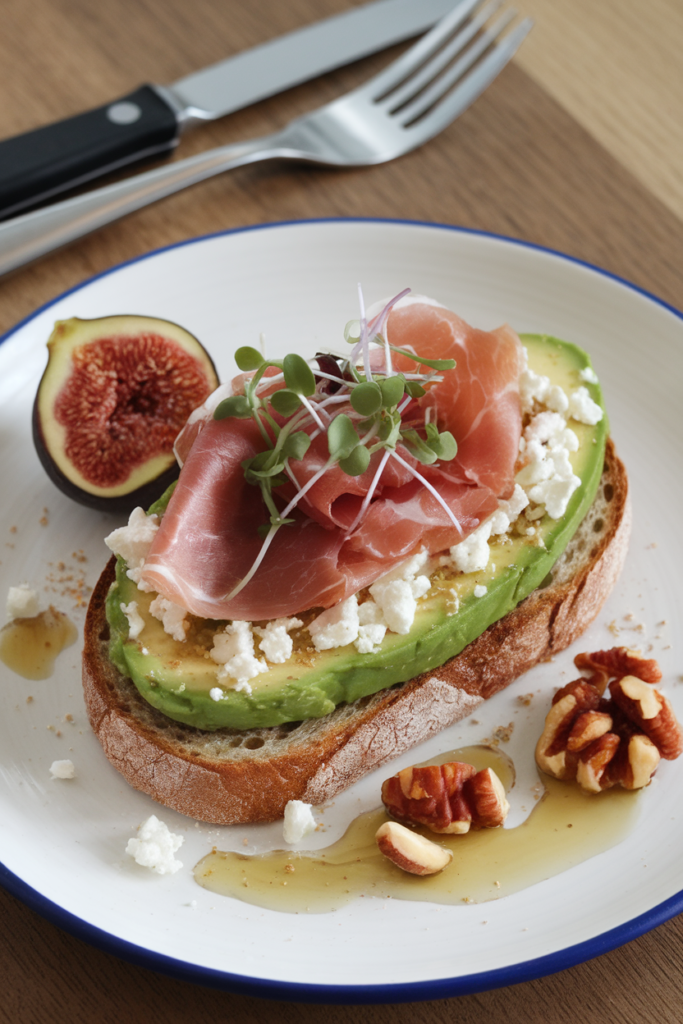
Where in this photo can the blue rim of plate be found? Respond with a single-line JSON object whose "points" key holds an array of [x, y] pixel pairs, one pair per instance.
{"points": [[326, 993]]}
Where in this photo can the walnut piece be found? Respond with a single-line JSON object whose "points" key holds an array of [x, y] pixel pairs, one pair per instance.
{"points": [[410, 851], [603, 742], [447, 798]]}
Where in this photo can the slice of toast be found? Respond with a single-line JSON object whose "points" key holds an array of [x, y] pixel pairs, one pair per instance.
{"points": [[230, 776]]}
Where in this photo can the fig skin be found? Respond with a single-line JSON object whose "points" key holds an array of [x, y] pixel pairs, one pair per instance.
{"points": [[150, 479]]}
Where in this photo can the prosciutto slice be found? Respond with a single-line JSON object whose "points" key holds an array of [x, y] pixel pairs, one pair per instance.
{"points": [[208, 538]]}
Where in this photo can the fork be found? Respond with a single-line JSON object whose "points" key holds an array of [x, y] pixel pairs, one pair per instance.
{"points": [[405, 105]]}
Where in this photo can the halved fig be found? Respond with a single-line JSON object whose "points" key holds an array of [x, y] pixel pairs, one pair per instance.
{"points": [[114, 396]]}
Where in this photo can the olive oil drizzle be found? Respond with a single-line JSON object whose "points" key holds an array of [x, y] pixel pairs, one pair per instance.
{"points": [[565, 828]]}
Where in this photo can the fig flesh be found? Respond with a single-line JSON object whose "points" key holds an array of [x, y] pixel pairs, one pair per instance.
{"points": [[114, 396]]}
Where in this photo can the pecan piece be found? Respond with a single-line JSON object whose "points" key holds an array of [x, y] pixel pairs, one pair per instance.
{"points": [[604, 742], [651, 713], [594, 762], [588, 726], [641, 763], [486, 795], [618, 661], [410, 851], [447, 798], [552, 753]]}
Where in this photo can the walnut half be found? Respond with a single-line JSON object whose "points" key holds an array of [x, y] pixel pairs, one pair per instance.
{"points": [[603, 742]]}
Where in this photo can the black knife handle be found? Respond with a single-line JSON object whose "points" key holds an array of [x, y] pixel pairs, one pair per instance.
{"points": [[59, 156]]}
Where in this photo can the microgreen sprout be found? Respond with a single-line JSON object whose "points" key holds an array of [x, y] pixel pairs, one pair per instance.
{"points": [[359, 407]]}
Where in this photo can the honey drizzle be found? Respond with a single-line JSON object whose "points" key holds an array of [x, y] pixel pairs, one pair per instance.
{"points": [[29, 647], [565, 828]]}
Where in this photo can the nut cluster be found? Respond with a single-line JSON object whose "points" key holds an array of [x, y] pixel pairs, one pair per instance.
{"points": [[447, 798], [603, 742]]}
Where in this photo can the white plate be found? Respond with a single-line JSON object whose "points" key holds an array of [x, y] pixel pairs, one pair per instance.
{"points": [[62, 843]]}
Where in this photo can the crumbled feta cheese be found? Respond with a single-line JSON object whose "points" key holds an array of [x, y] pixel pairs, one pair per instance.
{"points": [[154, 847], [583, 408], [299, 821], [420, 586], [397, 604], [396, 596], [589, 375], [510, 508], [337, 626], [22, 602], [394, 603], [62, 770], [233, 652], [370, 636], [216, 693], [472, 553], [480, 590], [407, 570], [556, 399], [370, 614], [172, 616], [276, 643], [136, 623], [132, 542], [535, 387], [547, 475]]}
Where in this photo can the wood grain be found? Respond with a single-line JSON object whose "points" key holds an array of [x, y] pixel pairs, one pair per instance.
{"points": [[616, 68], [532, 159]]}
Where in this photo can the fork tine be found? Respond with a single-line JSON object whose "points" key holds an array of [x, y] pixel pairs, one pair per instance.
{"points": [[395, 73], [439, 89], [429, 71], [474, 84]]}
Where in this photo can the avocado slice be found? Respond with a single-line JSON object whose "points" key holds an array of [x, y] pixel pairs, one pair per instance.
{"points": [[176, 677]]}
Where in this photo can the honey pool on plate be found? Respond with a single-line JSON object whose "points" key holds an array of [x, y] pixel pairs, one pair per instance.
{"points": [[566, 827], [29, 646]]}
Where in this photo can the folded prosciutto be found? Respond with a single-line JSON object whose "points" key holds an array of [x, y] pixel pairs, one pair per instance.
{"points": [[209, 536]]}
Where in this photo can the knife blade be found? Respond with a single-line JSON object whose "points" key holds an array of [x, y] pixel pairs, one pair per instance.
{"points": [[148, 122]]}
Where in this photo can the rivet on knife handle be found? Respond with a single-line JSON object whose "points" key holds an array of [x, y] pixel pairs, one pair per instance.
{"points": [[41, 163]]}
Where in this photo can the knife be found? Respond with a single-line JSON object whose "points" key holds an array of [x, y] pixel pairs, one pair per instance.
{"points": [[148, 122]]}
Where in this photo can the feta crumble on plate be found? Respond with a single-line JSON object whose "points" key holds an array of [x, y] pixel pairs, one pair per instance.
{"points": [[22, 602], [62, 770], [154, 847], [299, 821]]}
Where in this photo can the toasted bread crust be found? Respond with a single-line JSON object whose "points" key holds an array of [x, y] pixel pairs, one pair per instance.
{"points": [[233, 777]]}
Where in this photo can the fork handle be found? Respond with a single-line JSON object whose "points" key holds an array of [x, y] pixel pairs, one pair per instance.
{"points": [[32, 235]]}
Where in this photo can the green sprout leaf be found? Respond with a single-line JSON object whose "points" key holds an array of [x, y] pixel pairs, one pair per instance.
{"points": [[443, 445], [352, 332], [389, 432], [393, 389], [264, 529], [357, 462], [366, 398], [248, 358], [341, 437], [418, 447], [235, 405], [296, 445], [435, 364], [264, 466], [298, 375], [285, 402], [415, 389]]}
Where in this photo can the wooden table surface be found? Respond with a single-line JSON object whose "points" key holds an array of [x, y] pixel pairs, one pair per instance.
{"points": [[578, 146]]}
